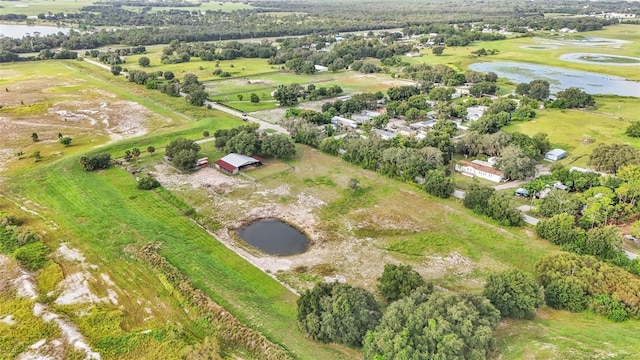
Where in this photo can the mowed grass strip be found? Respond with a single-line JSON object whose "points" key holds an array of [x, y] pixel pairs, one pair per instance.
{"points": [[560, 335], [117, 216]]}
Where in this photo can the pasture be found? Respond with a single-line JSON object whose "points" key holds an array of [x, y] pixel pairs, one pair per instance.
{"points": [[580, 131]]}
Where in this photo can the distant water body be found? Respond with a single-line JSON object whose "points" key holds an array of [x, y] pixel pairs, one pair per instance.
{"points": [[560, 79], [20, 31]]}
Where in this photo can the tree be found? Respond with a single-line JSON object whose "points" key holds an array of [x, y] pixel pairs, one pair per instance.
{"points": [[307, 134], [609, 158], [560, 230], [539, 90], [148, 183], [515, 164], [482, 88], [500, 207], [278, 146], [99, 161], [246, 143], [437, 183], [338, 312], [441, 93], [254, 98], [434, 326], [116, 69], [575, 98], [437, 50], [523, 89], [135, 152], [190, 83], [65, 140], [633, 130], [168, 75], [398, 281], [151, 149], [197, 97], [185, 159], [559, 202], [514, 293], [477, 198], [181, 144], [603, 242], [34, 137], [144, 61], [286, 96]]}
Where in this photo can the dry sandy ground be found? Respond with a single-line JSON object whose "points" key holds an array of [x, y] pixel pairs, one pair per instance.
{"points": [[359, 261], [73, 290]]}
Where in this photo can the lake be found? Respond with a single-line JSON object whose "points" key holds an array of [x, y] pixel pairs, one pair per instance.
{"points": [[274, 237], [560, 79], [20, 31]]}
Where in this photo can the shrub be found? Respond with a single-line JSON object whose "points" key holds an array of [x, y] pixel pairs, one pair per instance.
{"points": [[32, 256], [148, 183]]}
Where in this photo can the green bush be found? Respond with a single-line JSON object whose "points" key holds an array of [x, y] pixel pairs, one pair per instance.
{"points": [[148, 183], [32, 256], [613, 309]]}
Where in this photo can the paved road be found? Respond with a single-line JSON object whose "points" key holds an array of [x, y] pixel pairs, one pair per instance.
{"points": [[510, 185]]}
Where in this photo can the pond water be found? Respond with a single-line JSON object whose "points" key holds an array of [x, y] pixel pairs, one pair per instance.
{"points": [[274, 237], [20, 31], [601, 59], [561, 79]]}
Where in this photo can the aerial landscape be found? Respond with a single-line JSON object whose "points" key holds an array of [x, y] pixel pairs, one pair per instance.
{"points": [[306, 179]]}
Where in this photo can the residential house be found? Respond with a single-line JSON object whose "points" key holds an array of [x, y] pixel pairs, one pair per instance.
{"points": [[475, 112], [479, 169]]}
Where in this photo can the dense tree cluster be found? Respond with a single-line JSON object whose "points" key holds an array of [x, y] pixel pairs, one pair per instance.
{"points": [[575, 282], [514, 293], [336, 312], [610, 158], [572, 98], [183, 153], [485, 200], [435, 325], [98, 161], [245, 140], [398, 281]]}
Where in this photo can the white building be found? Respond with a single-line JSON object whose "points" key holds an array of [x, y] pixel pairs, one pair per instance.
{"points": [[482, 171], [555, 155], [475, 112], [320, 68]]}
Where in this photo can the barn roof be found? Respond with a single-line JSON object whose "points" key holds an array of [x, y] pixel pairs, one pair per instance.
{"points": [[225, 166], [238, 160]]}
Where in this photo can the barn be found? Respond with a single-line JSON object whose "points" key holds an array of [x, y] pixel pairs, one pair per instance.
{"points": [[234, 163]]}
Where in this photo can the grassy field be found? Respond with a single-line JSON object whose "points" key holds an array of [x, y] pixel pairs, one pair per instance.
{"points": [[568, 129]]}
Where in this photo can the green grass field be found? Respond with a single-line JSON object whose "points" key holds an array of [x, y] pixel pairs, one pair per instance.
{"points": [[568, 129]]}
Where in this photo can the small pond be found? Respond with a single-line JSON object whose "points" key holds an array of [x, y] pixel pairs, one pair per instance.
{"points": [[601, 59], [560, 79], [20, 31], [274, 237]]}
